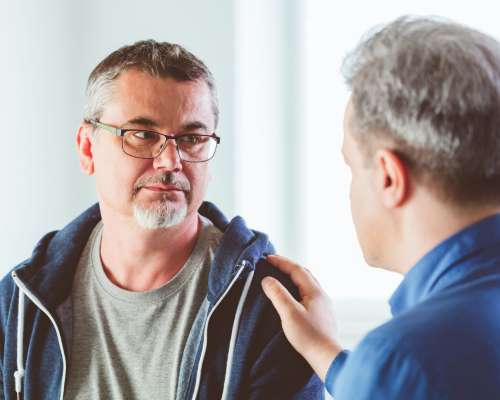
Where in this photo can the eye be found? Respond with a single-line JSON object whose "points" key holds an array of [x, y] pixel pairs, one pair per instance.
{"points": [[191, 139], [145, 135]]}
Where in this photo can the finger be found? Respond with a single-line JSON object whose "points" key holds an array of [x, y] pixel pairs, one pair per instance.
{"points": [[313, 277], [302, 278], [284, 264], [282, 300]]}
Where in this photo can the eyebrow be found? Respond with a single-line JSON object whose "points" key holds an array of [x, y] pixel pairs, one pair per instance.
{"points": [[194, 125], [149, 123], [143, 121]]}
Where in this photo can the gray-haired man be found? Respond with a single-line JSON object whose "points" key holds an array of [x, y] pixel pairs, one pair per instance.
{"points": [[422, 139], [151, 294]]}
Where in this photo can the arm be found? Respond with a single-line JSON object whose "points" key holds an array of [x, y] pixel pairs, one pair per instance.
{"points": [[309, 324], [379, 369]]}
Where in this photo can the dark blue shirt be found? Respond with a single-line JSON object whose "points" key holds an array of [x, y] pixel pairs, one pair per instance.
{"points": [[443, 341]]}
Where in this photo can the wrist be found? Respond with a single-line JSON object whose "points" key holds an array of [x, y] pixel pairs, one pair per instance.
{"points": [[321, 357]]}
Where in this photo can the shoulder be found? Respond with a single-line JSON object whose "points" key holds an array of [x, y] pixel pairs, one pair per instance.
{"points": [[263, 268], [7, 283], [436, 329], [429, 350], [7, 289], [386, 372]]}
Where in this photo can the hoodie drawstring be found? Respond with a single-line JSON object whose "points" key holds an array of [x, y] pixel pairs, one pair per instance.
{"points": [[234, 334], [19, 374]]}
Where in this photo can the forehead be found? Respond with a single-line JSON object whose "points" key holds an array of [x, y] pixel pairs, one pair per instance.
{"points": [[163, 100]]}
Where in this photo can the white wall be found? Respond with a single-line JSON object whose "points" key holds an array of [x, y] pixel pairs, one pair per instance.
{"points": [[264, 118], [48, 49]]}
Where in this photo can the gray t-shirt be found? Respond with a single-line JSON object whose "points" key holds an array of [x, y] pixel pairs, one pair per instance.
{"points": [[128, 345]]}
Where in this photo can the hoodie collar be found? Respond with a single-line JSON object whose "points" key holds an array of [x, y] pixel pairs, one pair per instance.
{"points": [[49, 272], [448, 263]]}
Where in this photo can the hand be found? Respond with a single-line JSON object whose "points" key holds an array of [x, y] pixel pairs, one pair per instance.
{"points": [[309, 325]]}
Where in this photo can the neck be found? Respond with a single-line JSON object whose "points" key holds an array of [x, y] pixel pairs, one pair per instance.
{"points": [[427, 225], [139, 259]]}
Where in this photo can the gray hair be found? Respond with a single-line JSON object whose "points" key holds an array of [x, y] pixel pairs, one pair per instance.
{"points": [[159, 59], [431, 89]]}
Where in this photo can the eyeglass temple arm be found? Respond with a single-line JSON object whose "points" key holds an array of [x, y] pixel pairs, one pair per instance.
{"points": [[111, 129]]}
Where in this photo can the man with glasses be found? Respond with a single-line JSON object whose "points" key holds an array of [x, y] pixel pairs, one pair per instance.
{"points": [[152, 293]]}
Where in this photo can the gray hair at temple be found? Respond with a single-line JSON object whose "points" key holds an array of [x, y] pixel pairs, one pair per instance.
{"points": [[429, 89], [159, 59]]}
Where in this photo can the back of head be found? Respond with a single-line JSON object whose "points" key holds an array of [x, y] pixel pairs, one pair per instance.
{"points": [[158, 59], [430, 90]]}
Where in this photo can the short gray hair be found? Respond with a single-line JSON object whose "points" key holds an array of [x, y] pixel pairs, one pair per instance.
{"points": [[430, 88], [159, 59]]}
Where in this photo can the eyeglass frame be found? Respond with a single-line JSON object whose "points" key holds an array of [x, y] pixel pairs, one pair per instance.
{"points": [[120, 132]]}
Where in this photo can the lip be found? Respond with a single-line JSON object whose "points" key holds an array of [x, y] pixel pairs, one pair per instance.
{"points": [[158, 187]]}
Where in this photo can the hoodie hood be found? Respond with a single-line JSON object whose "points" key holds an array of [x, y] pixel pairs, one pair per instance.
{"points": [[49, 272]]}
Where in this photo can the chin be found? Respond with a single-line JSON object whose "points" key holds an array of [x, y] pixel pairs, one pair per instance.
{"points": [[377, 261], [159, 216], [372, 258]]}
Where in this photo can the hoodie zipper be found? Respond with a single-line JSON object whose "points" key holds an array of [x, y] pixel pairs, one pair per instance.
{"points": [[205, 330], [35, 301]]}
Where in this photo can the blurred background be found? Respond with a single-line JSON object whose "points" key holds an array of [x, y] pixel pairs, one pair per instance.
{"points": [[282, 97]]}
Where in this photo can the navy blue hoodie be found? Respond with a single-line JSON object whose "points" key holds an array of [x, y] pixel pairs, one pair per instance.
{"points": [[239, 346]]}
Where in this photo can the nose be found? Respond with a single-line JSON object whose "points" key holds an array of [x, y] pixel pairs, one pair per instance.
{"points": [[168, 158]]}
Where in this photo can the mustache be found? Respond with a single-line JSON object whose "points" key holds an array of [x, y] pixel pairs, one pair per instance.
{"points": [[165, 178]]}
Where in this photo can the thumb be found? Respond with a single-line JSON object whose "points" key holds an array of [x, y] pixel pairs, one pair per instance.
{"points": [[282, 300]]}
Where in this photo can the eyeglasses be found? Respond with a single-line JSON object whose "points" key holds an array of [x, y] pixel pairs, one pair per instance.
{"points": [[140, 143]]}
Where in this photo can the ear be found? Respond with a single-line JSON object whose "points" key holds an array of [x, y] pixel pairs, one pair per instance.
{"points": [[84, 143], [393, 180]]}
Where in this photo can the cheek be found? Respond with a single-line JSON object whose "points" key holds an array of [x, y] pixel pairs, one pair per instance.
{"points": [[366, 216], [354, 198], [117, 174], [198, 176], [360, 206]]}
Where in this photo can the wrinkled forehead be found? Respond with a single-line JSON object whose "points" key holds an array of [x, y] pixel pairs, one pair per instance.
{"points": [[164, 100], [143, 88]]}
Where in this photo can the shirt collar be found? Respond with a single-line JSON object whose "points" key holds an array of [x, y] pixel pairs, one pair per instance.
{"points": [[439, 267]]}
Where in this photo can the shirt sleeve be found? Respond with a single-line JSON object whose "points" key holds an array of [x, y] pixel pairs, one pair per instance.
{"points": [[377, 371], [334, 370]]}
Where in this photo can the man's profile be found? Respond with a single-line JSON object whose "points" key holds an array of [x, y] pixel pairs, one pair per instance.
{"points": [[422, 141], [151, 293]]}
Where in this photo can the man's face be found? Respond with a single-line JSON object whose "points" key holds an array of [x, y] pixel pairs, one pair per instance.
{"points": [[367, 211], [159, 192]]}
